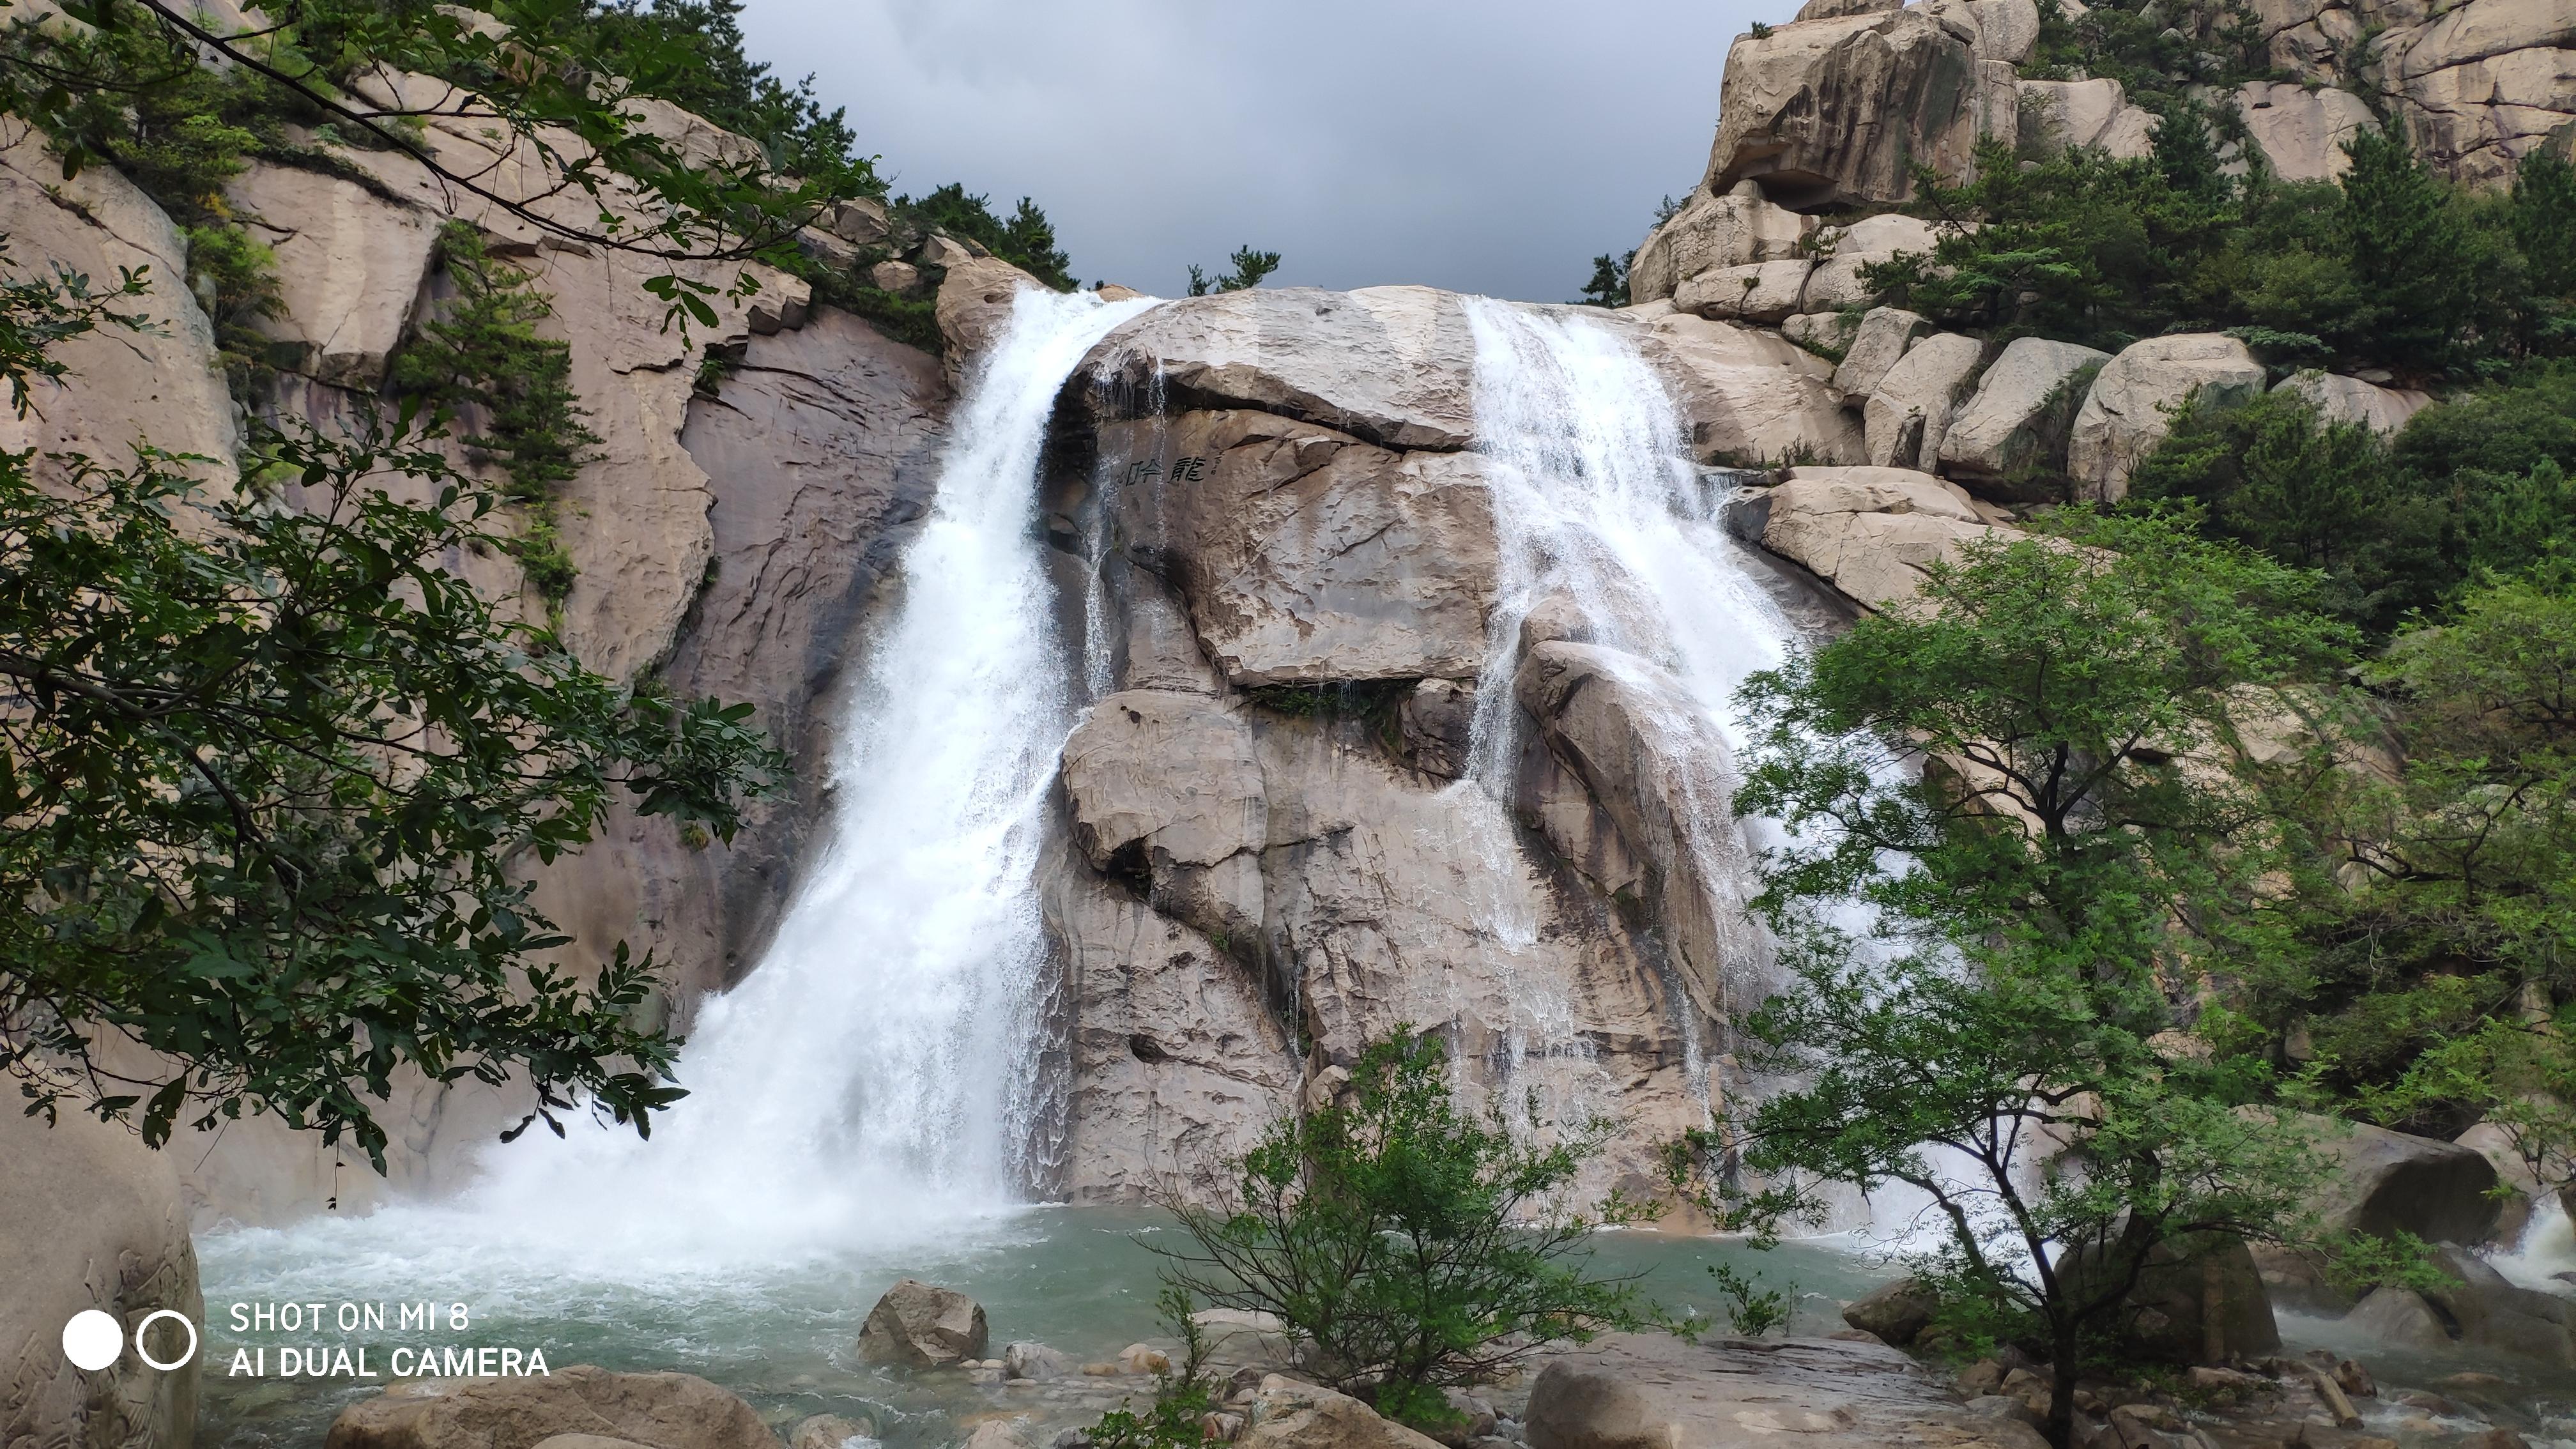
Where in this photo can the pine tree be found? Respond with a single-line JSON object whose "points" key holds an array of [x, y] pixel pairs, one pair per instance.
{"points": [[2407, 247]]}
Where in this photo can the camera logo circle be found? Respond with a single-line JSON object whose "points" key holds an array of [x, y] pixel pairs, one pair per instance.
{"points": [[93, 1340]]}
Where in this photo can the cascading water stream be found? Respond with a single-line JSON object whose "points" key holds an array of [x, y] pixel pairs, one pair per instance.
{"points": [[1599, 509], [869, 1078]]}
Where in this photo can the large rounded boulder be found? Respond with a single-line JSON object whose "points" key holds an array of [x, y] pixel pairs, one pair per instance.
{"points": [[923, 1326]]}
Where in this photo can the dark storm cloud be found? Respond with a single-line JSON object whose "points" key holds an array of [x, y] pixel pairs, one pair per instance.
{"points": [[1490, 148]]}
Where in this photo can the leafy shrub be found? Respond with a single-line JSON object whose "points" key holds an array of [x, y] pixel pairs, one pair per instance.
{"points": [[1413, 1243]]}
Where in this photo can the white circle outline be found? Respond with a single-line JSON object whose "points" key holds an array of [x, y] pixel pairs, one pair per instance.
{"points": [[145, 1354]]}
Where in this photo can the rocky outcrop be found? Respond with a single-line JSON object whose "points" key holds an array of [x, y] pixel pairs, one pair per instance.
{"points": [[2301, 131], [1867, 531], [1166, 794], [1174, 1059], [1748, 397], [2130, 407], [95, 1221], [657, 1411], [163, 385], [974, 301], [1833, 112], [350, 268], [1648, 760], [1837, 283], [1908, 412], [1632, 1391], [2478, 85], [1880, 340], [2339, 399], [923, 1326], [1306, 555], [1711, 232], [2095, 113], [1389, 365], [2009, 437]]}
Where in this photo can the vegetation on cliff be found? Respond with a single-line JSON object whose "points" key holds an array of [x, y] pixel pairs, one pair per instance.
{"points": [[268, 768]]}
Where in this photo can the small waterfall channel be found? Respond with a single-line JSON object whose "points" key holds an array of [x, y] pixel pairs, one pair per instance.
{"points": [[1603, 519]]}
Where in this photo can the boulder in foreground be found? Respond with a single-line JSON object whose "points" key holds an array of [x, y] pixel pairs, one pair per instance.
{"points": [[657, 1411]]}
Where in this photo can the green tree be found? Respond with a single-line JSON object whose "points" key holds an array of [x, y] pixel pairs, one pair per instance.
{"points": [[266, 771], [2034, 776], [2442, 920], [2313, 494], [1416, 1244], [1250, 267], [1026, 239], [2409, 250], [1609, 284]]}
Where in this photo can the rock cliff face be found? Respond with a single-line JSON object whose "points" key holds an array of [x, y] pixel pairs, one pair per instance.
{"points": [[731, 537], [1266, 856]]}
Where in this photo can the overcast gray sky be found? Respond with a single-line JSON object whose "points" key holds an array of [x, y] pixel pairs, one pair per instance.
{"points": [[1489, 147]]}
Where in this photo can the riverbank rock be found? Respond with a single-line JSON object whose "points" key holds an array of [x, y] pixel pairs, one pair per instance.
{"points": [[1288, 1414], [2196, 1302], [1637, 1391], [1245, 1336], [924, 1326], [2009, 437], [2382, 1183], [1035, 1361], [1833, 112], [2400, 1318], [1392, 365], [2131, 405], [658, 1411], [2491, 1311], [94, 1221], [1896, 1312]]}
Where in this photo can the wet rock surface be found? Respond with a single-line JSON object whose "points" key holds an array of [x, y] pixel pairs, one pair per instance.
{"points": [[656, 1410]]}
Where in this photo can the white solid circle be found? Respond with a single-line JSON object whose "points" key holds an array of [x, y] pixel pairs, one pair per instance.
{"points": [[154, 1317], [93, 1339]]}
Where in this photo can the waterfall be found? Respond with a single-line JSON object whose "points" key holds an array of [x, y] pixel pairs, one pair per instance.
{"points": [[872, 1079], [1599, 508]]}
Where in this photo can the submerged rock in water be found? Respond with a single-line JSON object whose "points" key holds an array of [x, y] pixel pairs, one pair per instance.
{"points": [[829, 1431], [924, 1326], [1034, 1361], [657, 1411]]}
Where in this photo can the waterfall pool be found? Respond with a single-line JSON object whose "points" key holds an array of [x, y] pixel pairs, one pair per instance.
{"points": [[1081, 1280]]}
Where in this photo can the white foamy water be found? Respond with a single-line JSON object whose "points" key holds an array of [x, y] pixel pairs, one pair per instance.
{"points": [[1597, 504], [869, 1085]]}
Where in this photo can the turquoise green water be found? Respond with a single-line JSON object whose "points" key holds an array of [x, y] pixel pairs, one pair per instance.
{"points": [[1080, 1280]]}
